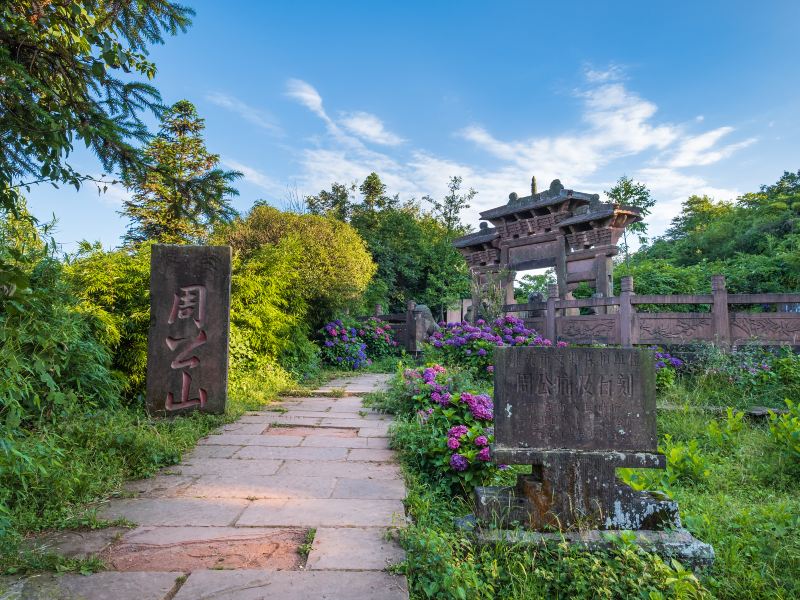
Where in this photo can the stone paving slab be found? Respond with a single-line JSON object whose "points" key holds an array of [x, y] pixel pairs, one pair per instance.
{"points": [[175, 511], [352, 470], [313, 441], [265, 486], [98, 586], [225, 466], [286, 585], [353, 549], [300, 453], [379, 489], [159, 485], [196, 548], [371, 455], [329, 512], [76, 544], [212, 451], [243, 428]]}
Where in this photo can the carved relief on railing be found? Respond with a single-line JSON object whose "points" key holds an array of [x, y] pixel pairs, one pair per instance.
{"points": [[484, 257], [767, 327], [531, 226], [673, 328], [587, 329], [587, 239]]}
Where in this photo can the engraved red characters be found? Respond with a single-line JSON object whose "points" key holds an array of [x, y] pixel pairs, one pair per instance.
{"points": [[189, 303]]}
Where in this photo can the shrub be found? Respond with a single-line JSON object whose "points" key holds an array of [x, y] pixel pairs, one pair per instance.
{"points": [[453, 426], [472, 346], [785, 429], [722, 432], [353, 345], [666, 368]]}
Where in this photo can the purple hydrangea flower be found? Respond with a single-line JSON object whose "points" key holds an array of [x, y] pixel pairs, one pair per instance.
{"points": [[483, 455], [459, 462], [481, 440], [453, 443]]}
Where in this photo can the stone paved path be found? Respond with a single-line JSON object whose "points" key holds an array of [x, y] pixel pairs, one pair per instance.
{"points": [[227, 523]]}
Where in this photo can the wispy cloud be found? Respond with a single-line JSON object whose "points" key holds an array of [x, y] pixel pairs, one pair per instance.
{"points": [[307, 95], [254, 176], [249, 113], [702, 149], [369, 127]]}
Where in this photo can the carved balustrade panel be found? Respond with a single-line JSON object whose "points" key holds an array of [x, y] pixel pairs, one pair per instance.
{"points": [[672, 328], [766, 327], [588, 329]]}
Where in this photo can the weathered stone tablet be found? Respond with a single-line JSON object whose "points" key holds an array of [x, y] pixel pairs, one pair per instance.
{"points": [[187, 354], [576, 398]]}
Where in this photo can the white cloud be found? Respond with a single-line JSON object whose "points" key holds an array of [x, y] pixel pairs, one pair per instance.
{"points": [[254, 176], [369, 127], [306, 95], [611, 73], [247, 112], [702, 149]]}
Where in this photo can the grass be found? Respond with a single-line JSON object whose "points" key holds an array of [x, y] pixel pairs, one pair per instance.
{"points": [[304, 549], [737, 490]]}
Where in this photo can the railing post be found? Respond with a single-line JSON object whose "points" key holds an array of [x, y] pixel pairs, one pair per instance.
{"points": [[626, 312], [550, 315], [378, 310], [720, 318]]}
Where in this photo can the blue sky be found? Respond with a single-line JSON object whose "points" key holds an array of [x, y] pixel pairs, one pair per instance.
{"points": [[688, 97]]}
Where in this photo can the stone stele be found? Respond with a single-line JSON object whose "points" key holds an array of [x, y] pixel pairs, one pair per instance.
{"points": [[576, 415], [187, 353]]}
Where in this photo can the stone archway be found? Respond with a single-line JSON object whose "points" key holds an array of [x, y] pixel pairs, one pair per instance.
{"points": [[571, 231]]}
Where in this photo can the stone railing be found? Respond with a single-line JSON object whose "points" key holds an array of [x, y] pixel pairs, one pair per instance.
{"points": [[616, 321]]}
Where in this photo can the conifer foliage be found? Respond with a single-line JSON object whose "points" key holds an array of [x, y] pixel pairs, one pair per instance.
{"points": [[182, 192]]}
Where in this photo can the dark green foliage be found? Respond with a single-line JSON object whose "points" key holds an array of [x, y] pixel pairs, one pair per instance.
{"points": [[754, 242], [50, 358], [71, 71], [412, 248], [115, 287], [181, 193]]}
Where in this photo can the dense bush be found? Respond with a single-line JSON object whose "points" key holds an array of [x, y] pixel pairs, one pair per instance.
{"points": [[330, 260], [785, 429], [472, 346], [352, 345], [447, 426]]}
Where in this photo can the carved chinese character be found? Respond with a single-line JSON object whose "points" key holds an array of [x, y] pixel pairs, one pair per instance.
{"points": [[524, 382], [544, 384], [624, 384], [604, 386], [190, 302], [585, 385]]}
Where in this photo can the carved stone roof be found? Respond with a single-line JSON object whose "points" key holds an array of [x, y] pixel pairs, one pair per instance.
{"points": [[601, 211], [483, 236], [540, 200]]}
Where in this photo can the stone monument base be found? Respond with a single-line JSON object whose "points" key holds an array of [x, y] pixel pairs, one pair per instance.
{"points": [[676, 543]]}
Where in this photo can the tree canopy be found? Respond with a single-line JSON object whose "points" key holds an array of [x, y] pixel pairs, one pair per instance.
{"points": [[182, 192], [76, 70]]}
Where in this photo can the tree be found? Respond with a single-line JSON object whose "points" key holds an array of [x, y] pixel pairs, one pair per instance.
{"points": [[58, 84], [335, 203], [448, 210], [182, 192], [636, 195], [374, 192]]}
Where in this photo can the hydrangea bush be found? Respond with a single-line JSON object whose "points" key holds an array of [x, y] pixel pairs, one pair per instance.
{"points": [[353, 345], [667, 367], [457, 425], [471, 345]]}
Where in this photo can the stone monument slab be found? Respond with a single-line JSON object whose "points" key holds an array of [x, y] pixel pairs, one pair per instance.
{"points": [[187, 354]]}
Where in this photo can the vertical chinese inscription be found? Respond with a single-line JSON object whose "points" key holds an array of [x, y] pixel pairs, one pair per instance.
{"points": [[576, 398], [187, 358]]}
